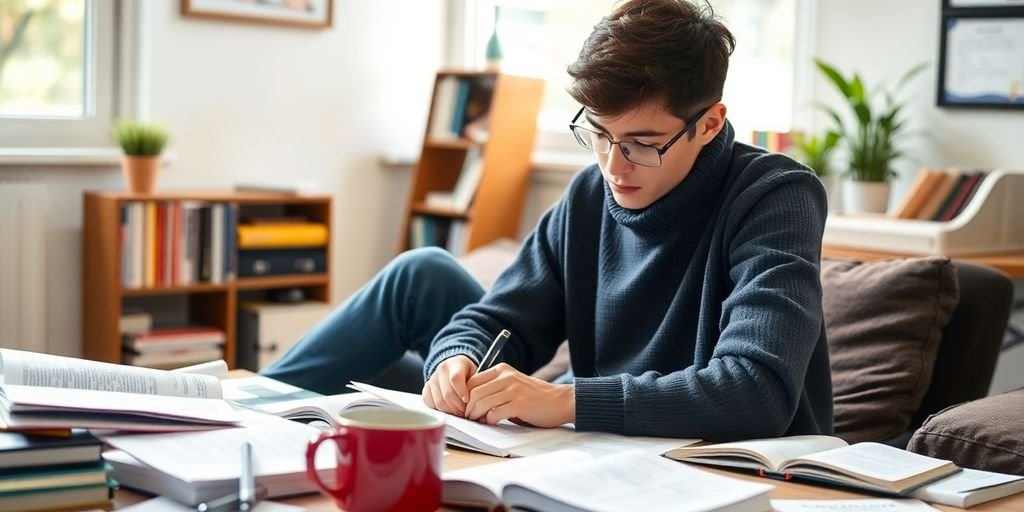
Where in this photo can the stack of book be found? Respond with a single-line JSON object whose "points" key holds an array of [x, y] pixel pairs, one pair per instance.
{"points": [[176, 243], [173, 347], [280, 247], [58, 470], [939, 194], [776, 142]]}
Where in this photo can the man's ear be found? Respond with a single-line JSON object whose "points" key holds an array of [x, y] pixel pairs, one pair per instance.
{"points": [[713, 122]]}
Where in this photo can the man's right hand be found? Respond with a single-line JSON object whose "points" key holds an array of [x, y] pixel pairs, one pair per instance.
{"points": [[446, 390]]}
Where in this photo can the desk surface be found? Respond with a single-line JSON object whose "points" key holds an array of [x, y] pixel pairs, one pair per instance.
{"points": [[1011, 263], [457, 459]]}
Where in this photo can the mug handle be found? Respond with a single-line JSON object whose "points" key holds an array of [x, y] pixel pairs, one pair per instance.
{"points": [[341, 437]]}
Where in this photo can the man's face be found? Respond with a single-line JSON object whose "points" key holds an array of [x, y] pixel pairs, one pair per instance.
{"points": [[634, 186]]}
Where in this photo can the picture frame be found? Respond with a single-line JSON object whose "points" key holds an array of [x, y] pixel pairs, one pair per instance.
{"points": [[293, 13], [981, 54]]}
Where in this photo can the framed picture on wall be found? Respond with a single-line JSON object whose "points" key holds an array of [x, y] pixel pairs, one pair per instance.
{"points": [[295, 13], [981, 54]]}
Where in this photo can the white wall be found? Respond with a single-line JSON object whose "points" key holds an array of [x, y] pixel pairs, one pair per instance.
{"points": [[882, 39], [247, 101]]}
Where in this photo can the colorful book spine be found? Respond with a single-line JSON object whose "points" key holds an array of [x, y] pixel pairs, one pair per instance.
{"points": [[273, 235]]}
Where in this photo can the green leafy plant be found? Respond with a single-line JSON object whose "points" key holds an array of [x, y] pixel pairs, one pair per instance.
{"points": [[139, 139], [814, 151], [872, 136]]}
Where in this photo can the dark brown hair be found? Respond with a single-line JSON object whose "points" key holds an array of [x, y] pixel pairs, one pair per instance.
{"points": [[653, 50]]}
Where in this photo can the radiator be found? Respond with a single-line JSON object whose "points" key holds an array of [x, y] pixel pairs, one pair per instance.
{"points": [[23, 265]]}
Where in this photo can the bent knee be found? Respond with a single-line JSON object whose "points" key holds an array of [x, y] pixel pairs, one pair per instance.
{"points": [[431, 262]]}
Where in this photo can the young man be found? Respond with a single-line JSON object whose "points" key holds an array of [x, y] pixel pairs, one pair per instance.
{"points": [[682, 269]]}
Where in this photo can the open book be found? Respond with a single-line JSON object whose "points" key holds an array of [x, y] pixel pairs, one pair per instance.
{"points": [[504, 440], [47, 391], [970, 487], [569, 480], [206, 465], [824, 459]]}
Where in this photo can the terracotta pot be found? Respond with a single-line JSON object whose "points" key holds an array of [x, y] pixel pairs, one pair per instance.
{"points": [[866, 196], [140, 173]]}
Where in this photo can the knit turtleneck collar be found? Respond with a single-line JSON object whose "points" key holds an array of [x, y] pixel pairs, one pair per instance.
{"points": [[689, 201]]}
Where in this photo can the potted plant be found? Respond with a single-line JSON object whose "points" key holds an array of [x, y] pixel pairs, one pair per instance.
{"points": [[142, 144], [815, 152], [871, 132]]}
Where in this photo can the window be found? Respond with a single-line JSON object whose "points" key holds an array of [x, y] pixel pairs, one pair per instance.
{"points": [[542, 37], [57, 73]]}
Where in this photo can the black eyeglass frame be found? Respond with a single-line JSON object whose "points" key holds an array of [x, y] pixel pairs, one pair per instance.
{"points": [[661, 151]]}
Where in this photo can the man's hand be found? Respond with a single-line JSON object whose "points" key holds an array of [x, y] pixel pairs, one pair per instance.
{"points": [[502, 392], [446, 390]]}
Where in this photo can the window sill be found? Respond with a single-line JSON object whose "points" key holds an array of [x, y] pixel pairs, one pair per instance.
{"points": [[559, 166], [67, 157]]}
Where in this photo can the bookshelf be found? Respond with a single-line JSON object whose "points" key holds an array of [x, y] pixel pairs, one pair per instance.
{"points": [[486, 119], [985, 224], [105, 289]]}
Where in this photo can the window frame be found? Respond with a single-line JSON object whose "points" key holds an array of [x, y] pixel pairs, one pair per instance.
{"points": [[555, 142], [116, 44]]}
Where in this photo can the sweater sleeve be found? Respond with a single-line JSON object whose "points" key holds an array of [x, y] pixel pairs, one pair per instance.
{"points": [[770, 324], [527, 299]]}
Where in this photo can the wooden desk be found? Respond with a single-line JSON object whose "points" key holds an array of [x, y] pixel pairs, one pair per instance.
{"points": [[458, 459], [1011, 263]]}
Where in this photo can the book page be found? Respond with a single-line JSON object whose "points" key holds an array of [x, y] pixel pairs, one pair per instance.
{"points": [[634, 481], [600, 444], [773, 453], [278, 448], [66, 405], [33, 369], [495, 476], [500, 439], [969, 480], [324, 408], [871, 460], [868, 505]]}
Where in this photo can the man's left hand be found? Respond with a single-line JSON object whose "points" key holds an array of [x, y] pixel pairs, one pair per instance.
{"points": [[502, 392]]}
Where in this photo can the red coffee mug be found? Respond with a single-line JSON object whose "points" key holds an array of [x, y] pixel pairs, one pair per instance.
{"points": [[388, 459]]}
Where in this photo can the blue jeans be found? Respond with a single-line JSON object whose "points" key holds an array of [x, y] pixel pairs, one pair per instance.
{"points": [[400, 310]]}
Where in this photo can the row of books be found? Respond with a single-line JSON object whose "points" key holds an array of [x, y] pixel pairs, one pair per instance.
{"points": [[59, 469], [939, 194], [176, 243], [776, 142], [429, 231], [461, 105]]}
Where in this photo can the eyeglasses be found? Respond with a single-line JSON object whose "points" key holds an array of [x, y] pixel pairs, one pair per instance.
{"points": [[640, 154]]}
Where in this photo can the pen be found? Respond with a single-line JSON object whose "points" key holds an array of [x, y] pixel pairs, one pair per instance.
{"points": [[247, 480], [492, 352]]}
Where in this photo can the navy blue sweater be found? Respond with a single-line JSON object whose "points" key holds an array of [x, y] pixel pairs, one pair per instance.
{"points": [[698, 316]]}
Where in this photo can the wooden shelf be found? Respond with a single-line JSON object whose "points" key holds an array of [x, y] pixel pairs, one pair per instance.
{"points": [[103, 291], [508, 106], [255, 283], [174, 290]]}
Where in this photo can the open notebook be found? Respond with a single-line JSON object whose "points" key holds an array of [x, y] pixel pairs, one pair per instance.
{"points": [[504, 440], [824, 459]]}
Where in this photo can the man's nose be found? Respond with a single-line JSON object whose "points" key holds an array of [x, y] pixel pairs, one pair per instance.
{"points": [[617, 163]]}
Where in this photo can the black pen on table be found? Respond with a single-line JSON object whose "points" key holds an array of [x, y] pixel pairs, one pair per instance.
{"points": [[493, 350]]}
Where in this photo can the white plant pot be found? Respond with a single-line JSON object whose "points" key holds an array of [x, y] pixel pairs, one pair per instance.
{"points": [[866, 196]]}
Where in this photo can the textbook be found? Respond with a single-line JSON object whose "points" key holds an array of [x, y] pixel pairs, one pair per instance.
{"points": [[970, 487], [505, 439], [570, 480], [824, 459], [19, 450], [47, 391]]}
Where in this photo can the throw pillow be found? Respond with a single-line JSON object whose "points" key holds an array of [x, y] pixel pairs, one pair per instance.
{"points": [[982, 434], [884, 321]]}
